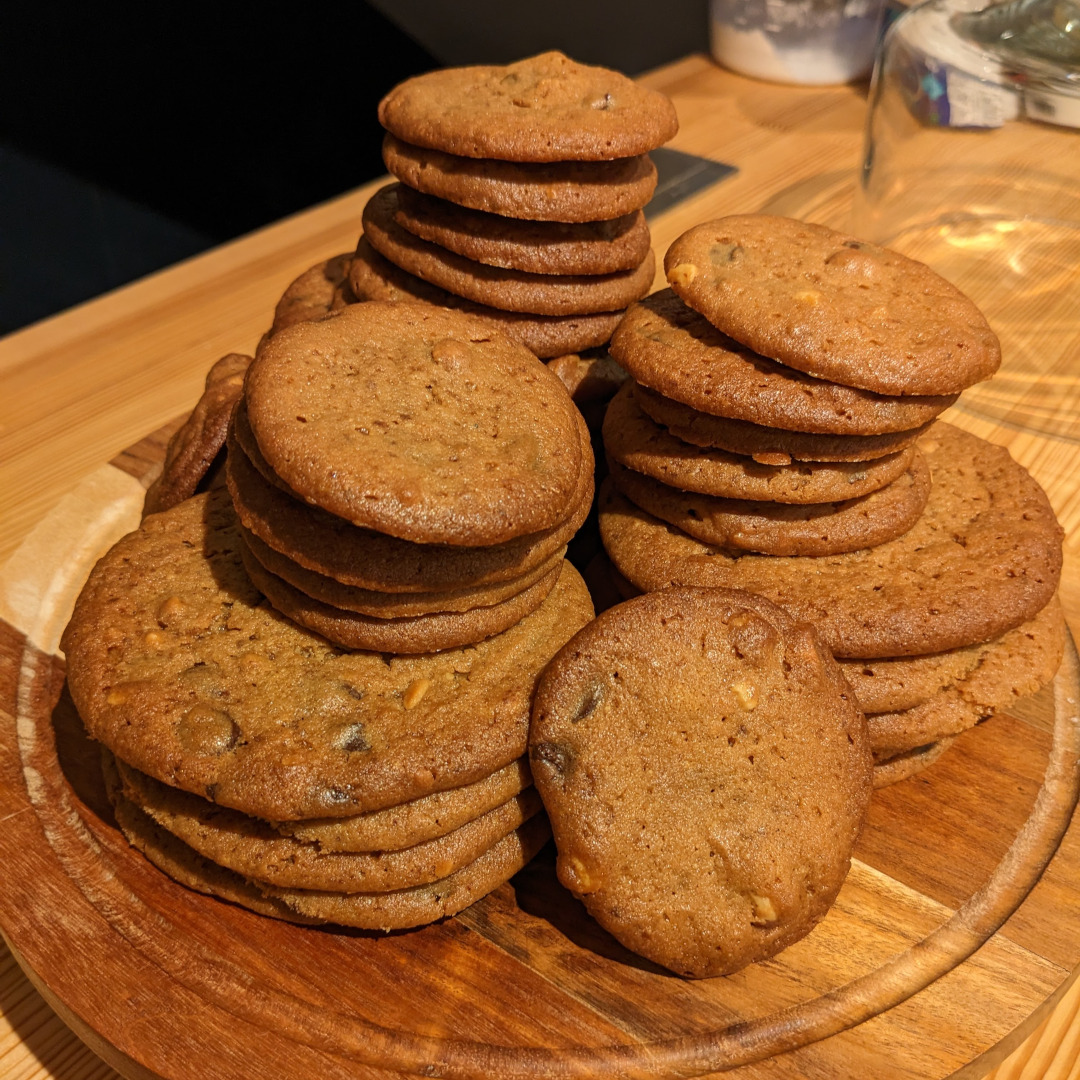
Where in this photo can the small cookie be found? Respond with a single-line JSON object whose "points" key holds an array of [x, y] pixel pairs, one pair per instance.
{"points": [[706, 773], [679, 354], [416, 422], [568, 191], [508, 290], [412, 822], [195, 445], [785, 529], [637, 442], [385, 605], [327, 545], [768, 445], [260, 853], [544, 108], [374, 278], [830, 305], [991, 676], [315, 293], [543, 247], [403, 635], [984, 557], [179, 667]]}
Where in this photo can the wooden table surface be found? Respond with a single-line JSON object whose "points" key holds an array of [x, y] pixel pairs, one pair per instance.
{"points": [[78, 388]]}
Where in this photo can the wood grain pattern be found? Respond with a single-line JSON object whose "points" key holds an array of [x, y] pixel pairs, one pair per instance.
{"points": [[524, 984], [81, 387]]}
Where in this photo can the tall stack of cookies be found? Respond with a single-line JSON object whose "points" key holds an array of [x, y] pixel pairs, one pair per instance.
{"points": [[520, 198], [314, 684], [778, 435]]}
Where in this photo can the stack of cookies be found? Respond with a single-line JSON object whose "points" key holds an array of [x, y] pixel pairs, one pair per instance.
{"points": [[520, 198], [778, 435], [411, 463]]}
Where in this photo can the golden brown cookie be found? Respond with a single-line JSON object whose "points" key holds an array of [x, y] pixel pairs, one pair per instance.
{"points": [[984, 557], [679, 354], [315, 293], [327, 545], [768, 445], [784, 528], [195, 445], [544, 108], [396, 910], [413, 822], [991, 676], [416, 422], [424, 903], [895, 733], [179, 667], [257, 851], [406, 634], [833, 306], [637, 442], [910, 763], [374, 278], [390, 605], [568, 191], [706, 772], [539, 247], [507, 290]]}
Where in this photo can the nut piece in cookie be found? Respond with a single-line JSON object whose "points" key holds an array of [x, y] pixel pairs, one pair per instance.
{"points": [[706, 772]]}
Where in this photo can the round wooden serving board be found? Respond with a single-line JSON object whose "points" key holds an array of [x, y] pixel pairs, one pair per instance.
{"points": [[954, 934]]}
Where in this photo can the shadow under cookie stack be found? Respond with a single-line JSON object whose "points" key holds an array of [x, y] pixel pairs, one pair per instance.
{"points": [[314, 685], [778, 435]]}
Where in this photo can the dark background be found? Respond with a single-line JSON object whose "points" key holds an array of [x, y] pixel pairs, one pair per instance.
{"points": [[135, 136]]}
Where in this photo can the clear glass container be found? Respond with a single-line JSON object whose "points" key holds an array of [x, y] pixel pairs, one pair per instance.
{"points": [[813, 42], [972, 165]]}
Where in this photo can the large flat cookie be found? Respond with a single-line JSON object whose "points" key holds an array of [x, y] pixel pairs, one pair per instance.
{"points": [[769, 445], [396, 910], [428, 633], [386, 605], [539, 247], [679, 354], [991, 675], [372, 277], [416, 422], [328, 545], [415, 821], [260, 853], [556, 191], [833, 306], [421, 904], [706, 772], [784, 528], [636, 441], [984, 557], [508, 290], [544, 108], [177, 664]]}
